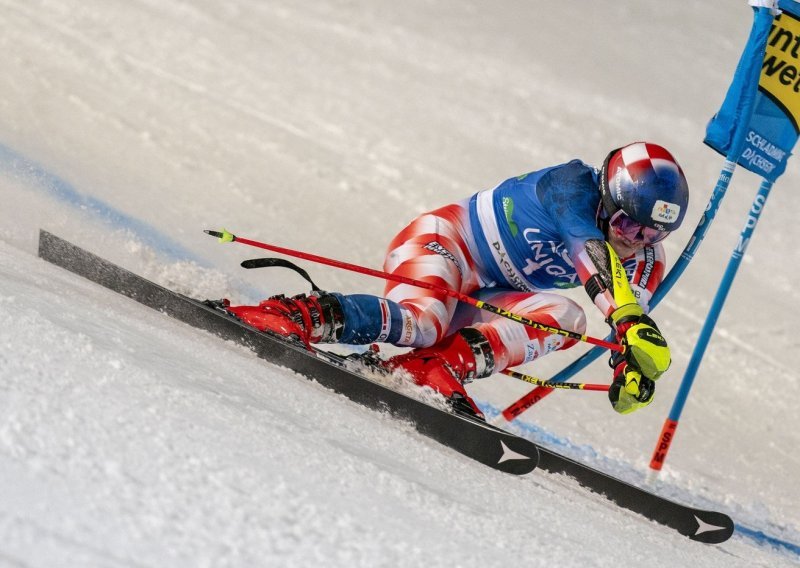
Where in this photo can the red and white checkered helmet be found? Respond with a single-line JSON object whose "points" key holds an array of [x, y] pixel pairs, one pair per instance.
{"points": [[645, 181]]}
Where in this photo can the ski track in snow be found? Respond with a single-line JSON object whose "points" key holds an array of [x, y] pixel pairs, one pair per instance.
{"points": [[127, 439]]}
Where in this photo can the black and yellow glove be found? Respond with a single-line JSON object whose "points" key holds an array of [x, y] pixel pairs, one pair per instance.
{"points": [[645, 359], [646, 356], [630, 390], [645, 347]]}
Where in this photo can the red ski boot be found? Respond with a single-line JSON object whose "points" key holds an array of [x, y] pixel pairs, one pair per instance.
{"points": [[311, 319], [450, 364]]}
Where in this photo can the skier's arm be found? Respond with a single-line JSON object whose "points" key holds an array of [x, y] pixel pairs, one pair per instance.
{"points": [[647, 355], [646, 270]]}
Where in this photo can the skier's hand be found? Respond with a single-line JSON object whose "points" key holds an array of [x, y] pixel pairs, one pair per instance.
{"points": [[630, 390], [645, 359], [646, 350]]}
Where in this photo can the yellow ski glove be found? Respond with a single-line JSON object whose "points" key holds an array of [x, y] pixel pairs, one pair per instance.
{"points": [[645, 359]]}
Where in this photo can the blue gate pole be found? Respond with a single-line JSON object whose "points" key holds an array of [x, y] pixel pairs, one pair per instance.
{"points": [[671, 423]]}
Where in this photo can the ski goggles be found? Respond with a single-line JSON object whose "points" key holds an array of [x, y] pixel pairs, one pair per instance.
{"points": [[632, 231]]}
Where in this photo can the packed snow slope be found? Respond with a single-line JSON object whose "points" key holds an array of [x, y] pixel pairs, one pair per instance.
{"points": [[128, 439]]}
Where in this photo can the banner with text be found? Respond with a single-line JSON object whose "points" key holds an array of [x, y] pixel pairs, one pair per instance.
{"points": [[774, 125]]}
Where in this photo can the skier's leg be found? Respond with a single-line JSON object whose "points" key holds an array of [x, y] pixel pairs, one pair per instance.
{"points": [[513, 343], [431, 249]]}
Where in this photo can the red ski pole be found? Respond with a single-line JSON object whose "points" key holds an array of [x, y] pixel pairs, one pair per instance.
{"points": [[525, 402], [226, 237]]}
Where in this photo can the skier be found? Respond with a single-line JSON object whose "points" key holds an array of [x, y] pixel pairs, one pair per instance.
{"points": [[551, 229]]}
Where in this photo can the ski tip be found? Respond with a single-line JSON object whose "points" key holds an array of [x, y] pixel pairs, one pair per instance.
{"points": [[224, 236], [713, 528]]}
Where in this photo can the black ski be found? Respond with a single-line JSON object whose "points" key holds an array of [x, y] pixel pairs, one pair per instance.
{"points": [[475, 439]]}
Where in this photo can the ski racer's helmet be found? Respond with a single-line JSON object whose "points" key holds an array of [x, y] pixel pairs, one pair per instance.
{"points": [[643, 191]]}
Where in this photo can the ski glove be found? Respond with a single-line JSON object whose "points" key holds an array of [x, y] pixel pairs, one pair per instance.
{"points": [[645, 348], [630, 390], [645, 359]]}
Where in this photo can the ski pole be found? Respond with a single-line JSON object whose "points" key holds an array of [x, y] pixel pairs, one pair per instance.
{"points": [[555, 385], [226, 237]]}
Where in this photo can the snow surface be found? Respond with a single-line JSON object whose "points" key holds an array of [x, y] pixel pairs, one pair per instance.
{"points": [[128, 439]]}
